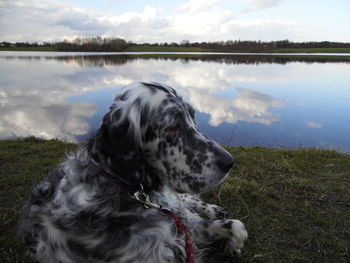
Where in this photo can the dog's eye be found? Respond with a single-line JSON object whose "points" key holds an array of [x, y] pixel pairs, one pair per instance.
{"points": [[174, 128]]}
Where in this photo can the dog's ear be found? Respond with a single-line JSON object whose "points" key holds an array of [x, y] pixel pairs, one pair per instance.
{"points": [[190, 110], [117, 147]]}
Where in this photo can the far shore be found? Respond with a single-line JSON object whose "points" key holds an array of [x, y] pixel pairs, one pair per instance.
{"points": [[193, 49]]}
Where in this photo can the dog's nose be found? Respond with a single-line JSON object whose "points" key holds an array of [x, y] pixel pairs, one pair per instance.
{"points": [[225, 162]]}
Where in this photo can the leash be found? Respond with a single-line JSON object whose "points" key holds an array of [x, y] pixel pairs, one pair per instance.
{"points": [[183, 230], [143, 198]]}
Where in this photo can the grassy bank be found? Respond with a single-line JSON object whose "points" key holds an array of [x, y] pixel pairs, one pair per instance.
{"points": [[295, 203]]}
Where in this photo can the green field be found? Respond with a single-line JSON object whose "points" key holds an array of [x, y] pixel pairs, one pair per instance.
{"points": [[312, 50], [280, 50], [295, 203], [166, 49], [27, 49]]}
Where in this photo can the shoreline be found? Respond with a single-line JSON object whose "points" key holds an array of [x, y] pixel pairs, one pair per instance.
{"points": [[310, 57], [191, 50]]}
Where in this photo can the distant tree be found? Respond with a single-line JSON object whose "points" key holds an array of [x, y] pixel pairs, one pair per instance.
{"points": [[185, 43], [97, 44]]}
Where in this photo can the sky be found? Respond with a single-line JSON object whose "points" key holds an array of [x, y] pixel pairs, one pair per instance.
{"points": [[159, 21]]}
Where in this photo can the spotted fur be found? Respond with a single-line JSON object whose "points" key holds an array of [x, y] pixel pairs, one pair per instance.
{"points": [[84, 211]]}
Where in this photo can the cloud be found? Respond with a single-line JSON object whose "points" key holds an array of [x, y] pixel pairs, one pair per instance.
{"points": [[266, 29], [255, 5], [50, 20], [194, 6], [195, 20], [313, 125], [198, 26]]}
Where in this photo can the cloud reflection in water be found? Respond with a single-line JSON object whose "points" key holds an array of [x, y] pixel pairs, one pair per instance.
{"points": [[64, 97], [249, 106], [33, 101], [37, 103]]}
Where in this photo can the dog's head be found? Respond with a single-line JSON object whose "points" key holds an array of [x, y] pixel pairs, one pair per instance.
{"points": [[149, 135]]}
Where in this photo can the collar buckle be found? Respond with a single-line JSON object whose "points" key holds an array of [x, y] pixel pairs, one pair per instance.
{"points": [[144, 198]]}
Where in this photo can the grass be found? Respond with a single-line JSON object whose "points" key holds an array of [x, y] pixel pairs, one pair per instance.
{"points": [[193, 49], [295, 203], [167, 49], [312, 50], [45, 49], [22, 163]]}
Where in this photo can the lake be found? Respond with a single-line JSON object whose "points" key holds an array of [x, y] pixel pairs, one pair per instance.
{"points": [[248, 100]]}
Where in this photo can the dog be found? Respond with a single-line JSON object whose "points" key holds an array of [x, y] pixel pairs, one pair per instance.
{"points": [[131, 193]]}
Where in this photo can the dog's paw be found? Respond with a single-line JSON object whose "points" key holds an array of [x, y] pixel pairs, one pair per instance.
{"points": [[218, 212], [212, 212], [238, 233]]}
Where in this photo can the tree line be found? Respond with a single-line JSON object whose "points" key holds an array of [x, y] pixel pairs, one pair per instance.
{"points": [[99, 44]]}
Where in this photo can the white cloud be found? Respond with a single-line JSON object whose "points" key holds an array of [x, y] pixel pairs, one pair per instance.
{"points": [[266, 29], [195, 20], [193, 6], [199, 26], [255, 5], [53, 20]]}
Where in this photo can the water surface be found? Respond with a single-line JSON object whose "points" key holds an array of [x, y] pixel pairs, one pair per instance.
{"points": [[239, 99]]}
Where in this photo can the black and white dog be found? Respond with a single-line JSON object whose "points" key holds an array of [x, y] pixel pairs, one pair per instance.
{"points": [[103, 203]]}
